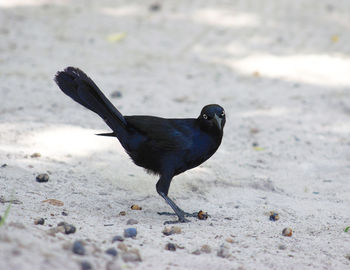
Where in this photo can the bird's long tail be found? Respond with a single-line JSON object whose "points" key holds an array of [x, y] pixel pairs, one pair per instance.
{"points": [[76, 84]]}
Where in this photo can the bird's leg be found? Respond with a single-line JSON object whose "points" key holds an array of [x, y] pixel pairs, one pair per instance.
{"points": [[162, 188], [171, 202]]}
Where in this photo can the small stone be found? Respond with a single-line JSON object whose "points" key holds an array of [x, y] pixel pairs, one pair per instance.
{"points": [[206, 249], [117, 238], [3, 165], [136, 207], [68, 228], [16, 252], [256, 74], [255, 144], [196, 252], [78, 248], [42, 178], [287, 232], [170, 247], [282, 247], [53, 202], [132, 222], [64, 213], [202, 215], [223, 252], [173, 230], [254, 130], [229, 240], [112, 251], [122, 247], [85, 265], [116, 94], [39, 221], [132, 255], [274, 216], [130, 232], [113, 265], [155, 7], [122, 213], [35, 155]]}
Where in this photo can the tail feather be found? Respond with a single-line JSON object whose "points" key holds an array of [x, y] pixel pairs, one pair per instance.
{"points": [[112, 134], [77, 85]]}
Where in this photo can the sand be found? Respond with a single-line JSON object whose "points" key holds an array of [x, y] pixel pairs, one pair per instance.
{"points": [[281, 70]]}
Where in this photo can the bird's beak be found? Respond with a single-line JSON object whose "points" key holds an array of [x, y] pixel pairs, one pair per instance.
{"points": [[217, 121]]}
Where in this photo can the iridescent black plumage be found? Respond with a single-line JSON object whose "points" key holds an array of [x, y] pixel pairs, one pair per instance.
{"points": [[166, 147]]}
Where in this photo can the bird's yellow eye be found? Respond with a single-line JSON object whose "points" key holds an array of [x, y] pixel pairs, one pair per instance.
{"points": [[205, 116]]}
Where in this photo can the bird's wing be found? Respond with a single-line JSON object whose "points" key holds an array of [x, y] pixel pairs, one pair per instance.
{"points": [[163, 134]]}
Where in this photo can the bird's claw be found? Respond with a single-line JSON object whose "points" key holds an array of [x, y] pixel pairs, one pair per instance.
{"points": [[180, 220], [194, 214], [185, 214]]}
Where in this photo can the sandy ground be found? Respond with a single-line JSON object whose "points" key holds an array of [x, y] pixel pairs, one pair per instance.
{"points": [[281, 69]]}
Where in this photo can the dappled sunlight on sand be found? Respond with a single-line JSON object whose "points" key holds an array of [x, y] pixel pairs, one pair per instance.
{"points": [[227, 18], [62, 140], [122, 11], [21, 3], [317, 69], [273, 112]]}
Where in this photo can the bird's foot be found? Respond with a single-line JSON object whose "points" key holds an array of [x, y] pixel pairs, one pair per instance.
{"points": [[180, 220], [185, 214]]}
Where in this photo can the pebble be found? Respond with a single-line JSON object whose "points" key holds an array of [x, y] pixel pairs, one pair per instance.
{"points": [[3, 165], [78, 248], [35, 155], [196, 252], [135, 207], [53, 202], [85, 265], [117, 238], [68, 228], [64, 213], [206, 249], [282, 247], [287, 232], [39, 221], [112, 251], [42, 178], [229, 240], [122, 247], [130, 232], [132, 255], [202, 215], [274, 216], [132, 222], [223, 252], [116, 94], [155, 7], [113, 265], [173, 230], [170, 247], [122, 213]]}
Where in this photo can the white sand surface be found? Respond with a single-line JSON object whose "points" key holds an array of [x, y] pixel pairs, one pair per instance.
{"points": [[281, 70]]}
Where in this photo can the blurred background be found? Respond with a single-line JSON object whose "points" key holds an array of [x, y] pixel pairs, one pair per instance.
{"points": [[281, 70]]}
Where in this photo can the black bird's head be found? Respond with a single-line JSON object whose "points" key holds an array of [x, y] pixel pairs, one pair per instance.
{"points": [[212, 118]]}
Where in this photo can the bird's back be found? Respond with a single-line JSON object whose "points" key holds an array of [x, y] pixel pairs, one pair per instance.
{"points": [[172, 144]]}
